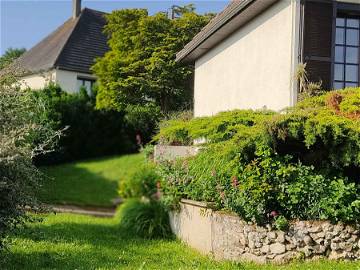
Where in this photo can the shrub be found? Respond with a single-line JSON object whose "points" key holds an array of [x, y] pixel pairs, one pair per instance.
{"points": [[144, 219], [89, 132], [303, 163], [21, 120], [141, 183]]}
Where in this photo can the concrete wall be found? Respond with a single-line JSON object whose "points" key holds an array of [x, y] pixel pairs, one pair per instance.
{"points": [[169, 152], [38, 81], [226, 236], [254, 67]]}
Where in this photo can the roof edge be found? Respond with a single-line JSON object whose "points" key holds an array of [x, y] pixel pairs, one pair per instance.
{"points": [[227, 25]]}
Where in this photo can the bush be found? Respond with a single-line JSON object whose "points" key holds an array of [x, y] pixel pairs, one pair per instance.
{"points": [[89, 132], [141, 183], [22, 119], [301, 164], [144, 219]]}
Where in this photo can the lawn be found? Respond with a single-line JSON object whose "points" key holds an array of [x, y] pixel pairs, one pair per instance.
{"points": [[66, 241], [90, 183]]}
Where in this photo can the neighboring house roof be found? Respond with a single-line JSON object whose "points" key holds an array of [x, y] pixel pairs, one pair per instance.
{"points": [[73, 46], [236, 14]]}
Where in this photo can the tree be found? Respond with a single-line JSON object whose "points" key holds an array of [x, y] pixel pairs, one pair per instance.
{"points": [[9, 56], [140, 68]]}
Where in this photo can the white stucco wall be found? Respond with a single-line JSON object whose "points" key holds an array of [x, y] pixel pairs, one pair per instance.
{"points": [[38, 81], [253, 68], [68, 80]]}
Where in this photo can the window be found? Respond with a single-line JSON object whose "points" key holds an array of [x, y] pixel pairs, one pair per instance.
{"points": [[347, 47], [85, 82]]}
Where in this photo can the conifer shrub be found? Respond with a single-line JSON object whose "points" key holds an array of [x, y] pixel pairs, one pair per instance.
{"points": [[302, 163]]}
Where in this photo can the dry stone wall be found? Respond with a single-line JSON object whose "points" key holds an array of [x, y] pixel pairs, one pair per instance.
{"points": [[229, 237]]}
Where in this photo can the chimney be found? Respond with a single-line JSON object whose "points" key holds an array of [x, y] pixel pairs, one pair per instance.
{"points": [[76, 8]]}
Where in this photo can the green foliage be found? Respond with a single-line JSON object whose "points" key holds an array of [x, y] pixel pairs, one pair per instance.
{"points": [[140, 67], [144, 219], [88, 132], [221, 127], [281, 223], [21, 120], [9, 56], [301, 164], [141, 183]]}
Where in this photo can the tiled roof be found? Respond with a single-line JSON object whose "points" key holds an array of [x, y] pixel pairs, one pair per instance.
{"points": [[73, 46]]}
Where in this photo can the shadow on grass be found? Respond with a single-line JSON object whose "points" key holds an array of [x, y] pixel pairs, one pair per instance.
{"points": [[71, 184], [75, 245]]}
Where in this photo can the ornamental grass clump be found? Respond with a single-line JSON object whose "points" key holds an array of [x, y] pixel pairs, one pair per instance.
{"points": [[301, 164]]}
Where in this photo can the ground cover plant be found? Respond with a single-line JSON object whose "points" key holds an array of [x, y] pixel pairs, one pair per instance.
{"points": [[91, 182], [65, 241], [299, 164]]}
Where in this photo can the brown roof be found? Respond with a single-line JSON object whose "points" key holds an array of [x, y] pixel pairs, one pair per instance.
{"points": [[237, 13], [73, 46]]}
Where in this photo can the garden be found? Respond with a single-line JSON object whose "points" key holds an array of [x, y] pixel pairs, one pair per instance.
{"points": [[95, 149]]}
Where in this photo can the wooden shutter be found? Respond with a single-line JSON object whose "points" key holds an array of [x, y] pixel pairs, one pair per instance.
{"points": [[318, 40]]}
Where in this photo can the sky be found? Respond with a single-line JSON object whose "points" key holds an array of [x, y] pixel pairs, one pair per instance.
{"points": [[23, 23]]}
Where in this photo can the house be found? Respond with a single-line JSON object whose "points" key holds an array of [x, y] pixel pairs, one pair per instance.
{"points": [[248, 55], [67, 54]]}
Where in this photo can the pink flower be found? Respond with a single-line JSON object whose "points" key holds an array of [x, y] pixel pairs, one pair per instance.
{"points": [[222, 195], [274, 213], [213, 173]]}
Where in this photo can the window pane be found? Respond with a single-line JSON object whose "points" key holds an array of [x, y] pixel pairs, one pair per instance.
{"points": [[352, 55], [339, 54], [352, 23], [338, 85], [351, 85], [352, 37], [351, 73], [340, 36], [339, 72], [340, 22]]}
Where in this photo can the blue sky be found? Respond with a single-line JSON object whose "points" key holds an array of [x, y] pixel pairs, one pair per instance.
{"points": [[23, 23]]}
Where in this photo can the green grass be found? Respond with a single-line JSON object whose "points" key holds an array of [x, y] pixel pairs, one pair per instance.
{"points": [[67, 241], [90, 183]]}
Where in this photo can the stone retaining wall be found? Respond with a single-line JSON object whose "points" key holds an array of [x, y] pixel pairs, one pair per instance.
{"points": [[226, 236]]}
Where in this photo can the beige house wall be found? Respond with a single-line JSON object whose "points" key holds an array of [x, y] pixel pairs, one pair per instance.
{"points": [[254, 68], [38, 81], [66, 79]]}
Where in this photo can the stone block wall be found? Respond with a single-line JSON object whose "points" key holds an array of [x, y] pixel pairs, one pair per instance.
{"points": [[226, 236]]}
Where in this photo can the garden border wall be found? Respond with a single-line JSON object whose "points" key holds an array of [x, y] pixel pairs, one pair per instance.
{"points": [[226, 236]]}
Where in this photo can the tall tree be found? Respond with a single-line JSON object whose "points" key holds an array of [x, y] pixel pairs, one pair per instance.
{"points": [[9, 56], [140, 68]]}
